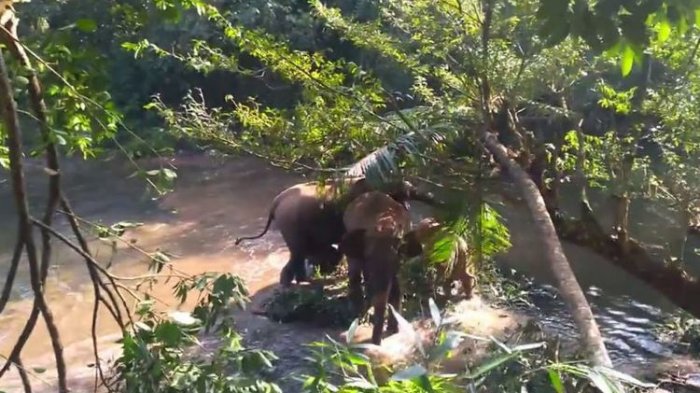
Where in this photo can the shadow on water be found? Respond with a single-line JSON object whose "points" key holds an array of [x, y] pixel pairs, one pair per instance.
{"points": [[216, 200]]}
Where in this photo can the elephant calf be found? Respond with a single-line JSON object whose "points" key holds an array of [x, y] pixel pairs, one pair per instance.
{"points": [[310, 218], [374, 245], [425, 232]]}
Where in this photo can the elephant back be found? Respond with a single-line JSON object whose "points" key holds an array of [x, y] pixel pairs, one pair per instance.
{"points": [[378, 213]]}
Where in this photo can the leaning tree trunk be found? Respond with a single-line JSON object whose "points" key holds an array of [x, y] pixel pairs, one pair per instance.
{"points": [[566, 280]]}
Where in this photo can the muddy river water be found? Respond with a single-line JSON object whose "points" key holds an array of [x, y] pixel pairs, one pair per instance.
{"points": [[217, 199]]}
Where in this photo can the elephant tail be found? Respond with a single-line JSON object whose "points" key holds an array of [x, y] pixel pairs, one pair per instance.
{"points": [[270, 217]]}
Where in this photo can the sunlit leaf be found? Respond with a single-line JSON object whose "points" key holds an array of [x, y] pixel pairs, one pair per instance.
{"points": [[434, 312], [351, 330], [183, 318], [86, 25], [664, 30], [627, 60], [491, 364], [555, 380]]}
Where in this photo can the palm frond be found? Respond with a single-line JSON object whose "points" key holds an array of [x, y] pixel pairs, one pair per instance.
{"points": [[383, 163]]}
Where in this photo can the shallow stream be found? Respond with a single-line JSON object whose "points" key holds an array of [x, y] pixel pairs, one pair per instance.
{"points": [[216, 200]]}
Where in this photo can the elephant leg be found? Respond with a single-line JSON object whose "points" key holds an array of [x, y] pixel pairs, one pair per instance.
{"points": [[395, 301], [328, 259], [447, 287], [294, 269], [467, 281], [380, 296], [357, 298]]}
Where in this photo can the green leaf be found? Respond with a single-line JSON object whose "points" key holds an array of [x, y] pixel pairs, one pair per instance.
{"points": [[39, 370], [627, 60], [172, 14], [600, 382], [358, 383], [86, 25], [409, 373], [492, 364], [424, 383], [555, 379], [624, 377], [169, 333], [664, 30]]}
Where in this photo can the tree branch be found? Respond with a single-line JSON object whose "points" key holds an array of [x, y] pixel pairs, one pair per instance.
{"points": [[88, 259], [14, 264], [97, 282], [14, 144], [26, 384]]}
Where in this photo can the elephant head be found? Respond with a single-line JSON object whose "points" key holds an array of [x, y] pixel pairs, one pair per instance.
{"points": [[425, 232], [375, 243]]}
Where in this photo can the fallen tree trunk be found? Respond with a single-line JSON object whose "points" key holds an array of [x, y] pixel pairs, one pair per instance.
{"points": [[568, 286]]}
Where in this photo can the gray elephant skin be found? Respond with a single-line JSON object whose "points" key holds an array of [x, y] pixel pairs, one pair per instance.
{"points": [[310, 218], [378, 237]]}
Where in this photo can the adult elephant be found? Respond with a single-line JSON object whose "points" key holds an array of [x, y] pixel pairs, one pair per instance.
{"points": [[458, 264], [310, 219], [376, 240]]}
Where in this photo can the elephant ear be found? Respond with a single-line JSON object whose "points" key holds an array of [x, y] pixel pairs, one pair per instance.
{"points": [[353, 244], [410, 245]]}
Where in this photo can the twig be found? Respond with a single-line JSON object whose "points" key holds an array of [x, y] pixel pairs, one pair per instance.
{"points": [[20, 365], [14, 263], [124, 241], [26, 383], [88, 258], [97, 282], [99, 373]]}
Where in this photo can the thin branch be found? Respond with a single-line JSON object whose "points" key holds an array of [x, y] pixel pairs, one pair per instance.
{"points": [[99, 373], [14, 263], [116, 313], [20, 365], [26, 383], [88, 258]]}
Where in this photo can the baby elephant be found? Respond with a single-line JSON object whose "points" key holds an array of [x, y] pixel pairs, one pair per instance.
{"points": [[374, 245], [425, 232]]}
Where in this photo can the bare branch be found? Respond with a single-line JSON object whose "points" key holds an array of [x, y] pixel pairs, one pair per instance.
{"points": [[24, 376], [14, 263], [88, 258]]}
